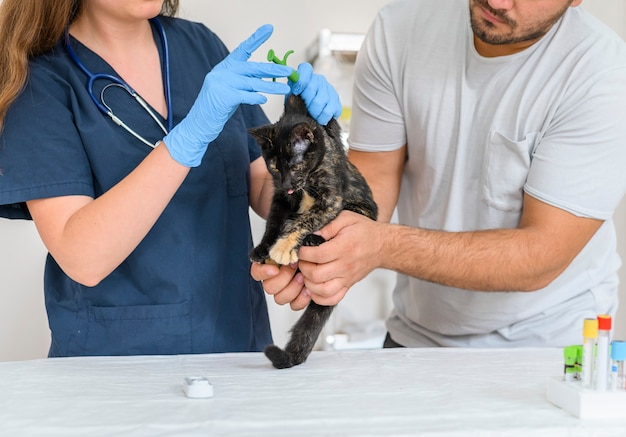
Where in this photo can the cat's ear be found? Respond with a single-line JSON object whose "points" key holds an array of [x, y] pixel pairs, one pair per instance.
{"points": [[262, 134], [333, 129], [295, 105]]}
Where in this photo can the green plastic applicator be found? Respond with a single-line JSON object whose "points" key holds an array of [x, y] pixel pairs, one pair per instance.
{"points": [[271, 56]]}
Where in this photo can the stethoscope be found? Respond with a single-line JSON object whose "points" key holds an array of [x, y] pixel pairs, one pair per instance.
{"points": [[119, 82]]}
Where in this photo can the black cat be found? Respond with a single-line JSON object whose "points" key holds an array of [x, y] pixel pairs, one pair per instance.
{"points": [[313, 183]]}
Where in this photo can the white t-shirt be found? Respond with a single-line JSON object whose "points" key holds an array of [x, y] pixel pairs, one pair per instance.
{"points": [[549, 121]]}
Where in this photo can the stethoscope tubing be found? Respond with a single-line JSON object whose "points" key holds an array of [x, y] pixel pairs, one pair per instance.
{"points": [[117, 81]]}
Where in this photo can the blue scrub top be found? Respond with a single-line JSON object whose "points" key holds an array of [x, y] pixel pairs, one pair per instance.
{"points": [[187, 287]]}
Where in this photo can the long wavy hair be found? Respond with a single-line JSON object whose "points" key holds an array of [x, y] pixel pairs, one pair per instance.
{"points": [[32, 27]]}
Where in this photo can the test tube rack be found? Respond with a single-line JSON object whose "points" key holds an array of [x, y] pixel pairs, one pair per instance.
{"points": [[586, 403]]}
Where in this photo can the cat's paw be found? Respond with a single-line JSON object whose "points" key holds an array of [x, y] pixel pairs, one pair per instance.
{"points": [[313, 240], [258, 254], [284, 251]]}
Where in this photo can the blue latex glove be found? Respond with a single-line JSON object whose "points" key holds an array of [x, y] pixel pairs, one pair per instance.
{"points": [[230, 83], [320, 97]]}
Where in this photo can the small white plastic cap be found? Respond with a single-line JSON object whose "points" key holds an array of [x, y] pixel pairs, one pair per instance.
{"points": [[197, 387]]}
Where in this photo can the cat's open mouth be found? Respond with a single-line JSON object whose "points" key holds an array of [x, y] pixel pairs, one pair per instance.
{"points": [[290, 191]]}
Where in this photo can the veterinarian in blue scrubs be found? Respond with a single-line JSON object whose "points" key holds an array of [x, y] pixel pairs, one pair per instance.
{"points": [[148, 245]]}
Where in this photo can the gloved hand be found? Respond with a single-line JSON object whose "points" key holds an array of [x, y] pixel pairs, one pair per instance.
{"points": [[230, 83], [320, 97]]}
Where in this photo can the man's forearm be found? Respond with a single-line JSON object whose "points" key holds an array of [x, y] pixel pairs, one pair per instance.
{"points": [[494, 260]]}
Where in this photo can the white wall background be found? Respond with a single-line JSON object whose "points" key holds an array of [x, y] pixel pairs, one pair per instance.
{"points": [[23, 325]]}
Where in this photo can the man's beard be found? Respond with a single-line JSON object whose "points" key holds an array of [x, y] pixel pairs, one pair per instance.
{"points": [[483, 29]]}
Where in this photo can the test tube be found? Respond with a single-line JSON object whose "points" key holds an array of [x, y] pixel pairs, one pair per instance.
{"points": [[602, 359], [579, 362], [569, 357], [590, 334], [618, 366]]}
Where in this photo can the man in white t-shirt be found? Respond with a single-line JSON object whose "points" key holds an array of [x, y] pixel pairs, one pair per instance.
{"points": [[499, 133]]}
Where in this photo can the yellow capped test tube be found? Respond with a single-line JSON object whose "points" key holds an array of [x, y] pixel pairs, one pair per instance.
{"points": [[590, 335]]}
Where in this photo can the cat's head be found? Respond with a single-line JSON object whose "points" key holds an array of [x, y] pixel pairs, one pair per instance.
{"points": [[292, 148], [295, 106]]}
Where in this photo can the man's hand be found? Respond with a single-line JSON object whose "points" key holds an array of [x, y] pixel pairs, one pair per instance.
{"points": [[351, 251]]}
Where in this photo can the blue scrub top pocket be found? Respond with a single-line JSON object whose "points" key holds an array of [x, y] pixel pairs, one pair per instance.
{"points": [[135, 330]]}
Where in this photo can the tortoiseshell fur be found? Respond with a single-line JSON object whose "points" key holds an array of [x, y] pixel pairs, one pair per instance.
{"points": [[313, 183]]}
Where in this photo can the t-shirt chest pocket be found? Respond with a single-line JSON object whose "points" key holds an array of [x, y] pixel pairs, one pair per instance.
{"points": [[505, 170]]}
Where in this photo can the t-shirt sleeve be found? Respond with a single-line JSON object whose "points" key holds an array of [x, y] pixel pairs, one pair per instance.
{"points": [[41, 153], [377, 122], [578, 165]]}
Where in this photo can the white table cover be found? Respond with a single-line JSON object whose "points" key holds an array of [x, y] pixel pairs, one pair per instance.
{"points": [[392, 392]]}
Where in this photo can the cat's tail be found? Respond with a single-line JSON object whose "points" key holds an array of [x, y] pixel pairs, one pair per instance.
{"points": [[304, 334]]}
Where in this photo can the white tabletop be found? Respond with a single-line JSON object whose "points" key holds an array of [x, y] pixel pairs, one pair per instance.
{"points": [[392, 392]]}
